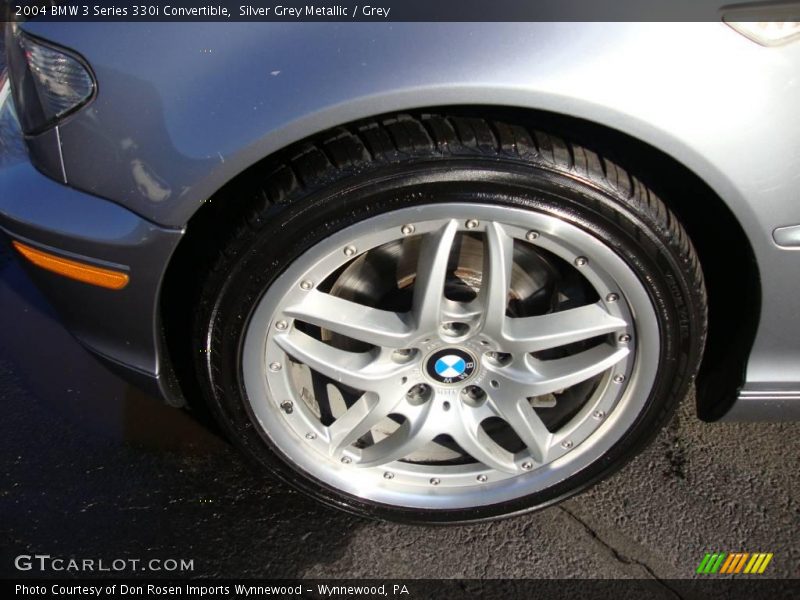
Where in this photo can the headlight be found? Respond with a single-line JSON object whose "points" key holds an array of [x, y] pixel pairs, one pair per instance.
{"points": [[769, 33], [48, 83]]}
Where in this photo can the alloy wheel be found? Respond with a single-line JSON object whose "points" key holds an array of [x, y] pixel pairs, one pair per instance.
{"points": [[450, 357]]}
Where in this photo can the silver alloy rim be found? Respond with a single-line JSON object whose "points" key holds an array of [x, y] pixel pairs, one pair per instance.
{"points": [[409, 377]]}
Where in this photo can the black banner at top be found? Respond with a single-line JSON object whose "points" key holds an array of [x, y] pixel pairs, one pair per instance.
{"points": [[398, 10]]}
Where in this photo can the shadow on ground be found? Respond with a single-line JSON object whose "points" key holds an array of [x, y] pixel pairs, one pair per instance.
{"points": [[94, 468]]}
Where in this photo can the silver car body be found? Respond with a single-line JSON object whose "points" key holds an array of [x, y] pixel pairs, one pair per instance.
{"points": [[182, 109]]}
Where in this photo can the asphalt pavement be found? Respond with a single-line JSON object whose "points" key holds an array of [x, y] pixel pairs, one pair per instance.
{"points": [[92, 467]]}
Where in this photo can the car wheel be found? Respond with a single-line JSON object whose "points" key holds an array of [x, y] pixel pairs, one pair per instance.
{"points": [[448, 319]]}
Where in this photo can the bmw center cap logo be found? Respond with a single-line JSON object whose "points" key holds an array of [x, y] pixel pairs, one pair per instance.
{"points": [[450, 365]]}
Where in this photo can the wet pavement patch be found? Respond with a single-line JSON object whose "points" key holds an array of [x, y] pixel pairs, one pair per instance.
{"points": [[91, 467]]}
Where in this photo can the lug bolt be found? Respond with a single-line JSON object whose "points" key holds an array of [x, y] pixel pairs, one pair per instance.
{"points": [[567, 444], [599, 415], [624, 338], [473, 395], [419, 393], [402, 355], [388, 475], [346, 460], [435, 481], [527, 466], [311, 436], [306, 285], [498, 358], [287, 407], [531, 235], [472, 224], [276, 366], [407, 229], [482, 478], [612, 297], [581, 261], [619, 378], [281, 325], [349, 250], [455, 328]]}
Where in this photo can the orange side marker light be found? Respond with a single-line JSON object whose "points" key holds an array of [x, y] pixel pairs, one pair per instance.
{"points": [[105, 278]]}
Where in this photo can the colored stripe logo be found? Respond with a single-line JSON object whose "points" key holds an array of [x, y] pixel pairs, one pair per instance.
{"points": [[734, 563]]}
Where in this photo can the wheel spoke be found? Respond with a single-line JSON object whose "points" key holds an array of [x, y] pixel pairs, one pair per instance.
{"points": [[566, 372], [359, 370], [368, 411], [497, 263], [371, 325], [527, 377], [412, 435], [532, 334], [522, 418], [434, 256], [480, 446], [461, 311]]}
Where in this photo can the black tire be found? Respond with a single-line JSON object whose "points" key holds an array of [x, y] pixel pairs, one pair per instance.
{"points": [[316, 188]]}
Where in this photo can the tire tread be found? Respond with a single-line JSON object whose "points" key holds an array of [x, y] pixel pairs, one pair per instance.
{"points": [[342, 151]]}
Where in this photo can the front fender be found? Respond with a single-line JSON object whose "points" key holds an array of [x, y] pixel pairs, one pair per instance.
{"points": [[182, 108]]}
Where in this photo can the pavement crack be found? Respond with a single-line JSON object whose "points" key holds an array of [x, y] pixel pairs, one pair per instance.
{"points": [[618, 555]]}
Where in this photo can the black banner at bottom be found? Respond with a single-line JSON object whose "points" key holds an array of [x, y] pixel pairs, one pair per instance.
{"points": [[412, 589]]}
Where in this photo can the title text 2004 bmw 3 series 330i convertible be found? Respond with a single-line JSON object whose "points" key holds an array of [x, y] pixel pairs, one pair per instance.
{"points": [[419, 282]]}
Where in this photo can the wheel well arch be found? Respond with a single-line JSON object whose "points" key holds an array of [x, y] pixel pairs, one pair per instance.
{"points": [[704, 214]]}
